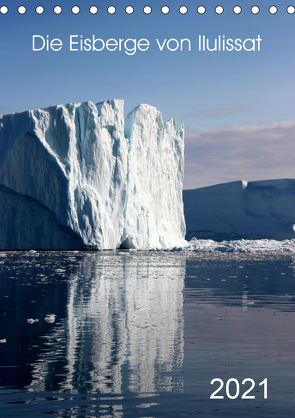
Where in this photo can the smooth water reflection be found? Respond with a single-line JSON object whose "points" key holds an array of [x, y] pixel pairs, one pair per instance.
{"points": [[145, 333], [122, 328]]}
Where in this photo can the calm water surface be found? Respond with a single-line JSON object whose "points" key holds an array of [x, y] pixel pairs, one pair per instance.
{"points": [[142, 334]]}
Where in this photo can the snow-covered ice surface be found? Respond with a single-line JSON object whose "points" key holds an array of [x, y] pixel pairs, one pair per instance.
{"points": [[241, 210], [77, 176]]}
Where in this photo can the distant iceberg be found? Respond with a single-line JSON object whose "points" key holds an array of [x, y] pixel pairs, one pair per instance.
{"points": [[241, 210], [78, 176]]}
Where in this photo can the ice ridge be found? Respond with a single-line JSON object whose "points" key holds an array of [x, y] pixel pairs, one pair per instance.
{"points": [[77, 176]]}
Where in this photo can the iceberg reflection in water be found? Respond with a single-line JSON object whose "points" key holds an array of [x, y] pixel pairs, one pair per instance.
{"points": [[116, 333], [122, 330]]}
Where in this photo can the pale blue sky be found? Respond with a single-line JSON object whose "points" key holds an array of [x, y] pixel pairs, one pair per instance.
{"points": [[212, 91]]}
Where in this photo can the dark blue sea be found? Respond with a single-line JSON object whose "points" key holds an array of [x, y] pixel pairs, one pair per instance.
{"points": [[147, 334]]}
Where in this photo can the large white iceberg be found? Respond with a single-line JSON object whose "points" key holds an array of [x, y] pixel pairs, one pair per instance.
{"points": [[78, 176]]}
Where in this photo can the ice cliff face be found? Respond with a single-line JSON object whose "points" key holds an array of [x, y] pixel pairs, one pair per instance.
{"points": [[151, 201], [78, 176]]}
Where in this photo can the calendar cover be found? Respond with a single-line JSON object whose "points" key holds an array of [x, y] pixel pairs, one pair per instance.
{"points": [[147, 221]]}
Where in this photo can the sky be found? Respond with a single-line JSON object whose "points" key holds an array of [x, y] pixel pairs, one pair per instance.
{"points": [[238, 107]]}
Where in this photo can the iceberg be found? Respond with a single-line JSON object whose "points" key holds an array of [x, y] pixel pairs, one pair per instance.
{"points": [[153, 209], [78, 176], [241, 210]]}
